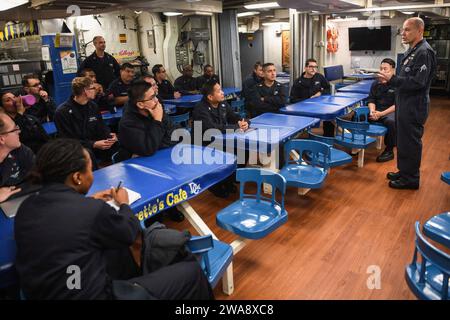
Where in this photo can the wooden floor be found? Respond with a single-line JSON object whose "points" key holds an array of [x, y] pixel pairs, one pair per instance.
{"points": [[335, 233]]}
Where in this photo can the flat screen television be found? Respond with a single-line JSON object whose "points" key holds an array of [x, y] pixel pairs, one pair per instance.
{"points": [[370, 39]]}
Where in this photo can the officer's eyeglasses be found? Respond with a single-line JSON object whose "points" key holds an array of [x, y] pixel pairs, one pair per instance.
{"points": [[313, 67], [152, 98], [16, 129]]}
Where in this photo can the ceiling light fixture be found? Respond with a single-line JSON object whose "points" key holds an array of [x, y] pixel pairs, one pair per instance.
{"points": [[9, 4], [247, 14], [172, 14], [338, 19], [264, 5], [197, 13]]}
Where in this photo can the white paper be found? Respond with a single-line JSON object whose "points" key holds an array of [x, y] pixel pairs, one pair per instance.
{"points": [[133, 196], [16, 67], [45, 53], [68, 61]]}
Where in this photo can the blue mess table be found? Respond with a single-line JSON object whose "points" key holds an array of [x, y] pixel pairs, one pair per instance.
{"points": [[189, 101], [231, 92], [269, 131], [264, 142], [50, 127], [323, 107], [359, 87], [336, 100], [168, 178], [361, 96], [171, 177], [361, 76]]}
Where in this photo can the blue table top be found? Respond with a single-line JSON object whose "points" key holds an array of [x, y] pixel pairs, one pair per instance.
{"points": [[270, 130], [316, 110], [108, 116], [361, 76], [162, 180], [189, 101], [324, 107], [334, 100], [361, 96], [283, 120], [359, 87], [230, 91], [50, 127]]}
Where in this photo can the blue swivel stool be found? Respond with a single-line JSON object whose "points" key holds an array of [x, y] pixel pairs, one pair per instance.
{"points": [[301, 174], [429, 278], [437, 228], [353, 135], [255, 216], [446, 177], [375, 130], [215, 255], [337, 157]]}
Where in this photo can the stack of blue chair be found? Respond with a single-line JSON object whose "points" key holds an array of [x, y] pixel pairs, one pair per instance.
{"points": [[353, 135], [429, 279], [301, 174], [254, 216]]}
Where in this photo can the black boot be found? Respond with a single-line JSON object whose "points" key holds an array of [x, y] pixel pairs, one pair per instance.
{"points": [[386, 155], [403, 184], [393, 176]]}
